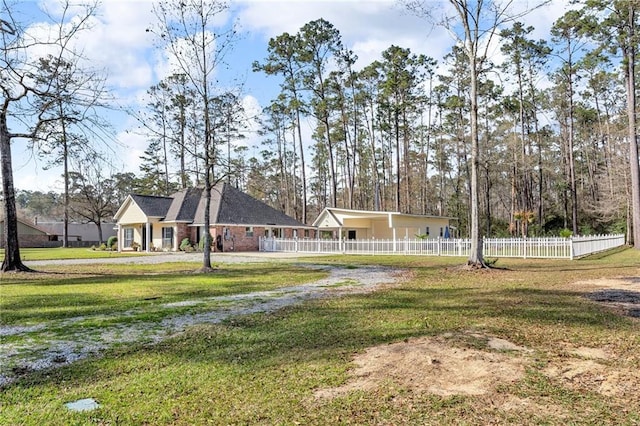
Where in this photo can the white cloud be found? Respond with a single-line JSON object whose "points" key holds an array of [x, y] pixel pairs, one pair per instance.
{"points": [[118, 41]]}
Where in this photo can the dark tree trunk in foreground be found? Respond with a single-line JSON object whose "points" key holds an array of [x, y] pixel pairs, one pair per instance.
{"points": [[12, 261]]}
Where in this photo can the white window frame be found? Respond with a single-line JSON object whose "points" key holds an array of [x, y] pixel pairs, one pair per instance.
{"points": [[127, 237], [166, 239]]}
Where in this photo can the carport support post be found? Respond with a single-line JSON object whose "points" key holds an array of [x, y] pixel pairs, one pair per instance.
{"points": [[395, 243]]}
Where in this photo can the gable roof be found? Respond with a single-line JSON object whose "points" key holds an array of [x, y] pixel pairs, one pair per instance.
{"points": [[184, 205], [230, 206], [152, 205]]}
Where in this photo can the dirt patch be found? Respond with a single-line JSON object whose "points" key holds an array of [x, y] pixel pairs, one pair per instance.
{"points": [[596, 376], [473, 363], [435, 365]]}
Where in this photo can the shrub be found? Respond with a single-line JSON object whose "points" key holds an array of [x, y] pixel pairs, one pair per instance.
{"points": [[112, 241], [201, 244], [103, 247], [185, 244], [565, 233]]}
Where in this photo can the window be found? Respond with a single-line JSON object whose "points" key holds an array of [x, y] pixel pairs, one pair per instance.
{"points": [[248, 231], [426, 231], [167, 238], [128, 237]]}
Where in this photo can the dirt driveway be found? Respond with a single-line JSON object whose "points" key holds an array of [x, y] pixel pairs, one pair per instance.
{"points": [[54, 343]]}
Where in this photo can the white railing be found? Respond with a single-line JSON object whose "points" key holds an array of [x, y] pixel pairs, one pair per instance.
{"points": [[543, 248]]}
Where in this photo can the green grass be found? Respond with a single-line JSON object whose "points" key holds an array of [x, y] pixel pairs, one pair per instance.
{"points": [[59, 292], [59, 253], [264, 368]]}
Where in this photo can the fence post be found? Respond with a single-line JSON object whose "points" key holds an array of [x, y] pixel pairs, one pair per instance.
{"points": [[571, 250], [438, 250]]}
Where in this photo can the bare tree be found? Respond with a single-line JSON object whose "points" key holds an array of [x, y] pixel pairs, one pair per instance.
{"points": [[32, 103], [92, 192], [473, 24], [197, 49]]}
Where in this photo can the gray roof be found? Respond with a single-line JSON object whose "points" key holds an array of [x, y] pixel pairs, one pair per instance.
{"points": [[184, 205], [153, 206], [230, 206], [83, 231]]}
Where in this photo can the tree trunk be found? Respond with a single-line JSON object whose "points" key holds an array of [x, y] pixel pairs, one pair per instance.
{"points": [[302, 164], [476, 258], [65, 160], [99, 225], [633, 139], [12, 261]]}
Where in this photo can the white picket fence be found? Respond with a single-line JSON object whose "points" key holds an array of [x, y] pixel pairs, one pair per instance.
{"points": [[544, 248]]}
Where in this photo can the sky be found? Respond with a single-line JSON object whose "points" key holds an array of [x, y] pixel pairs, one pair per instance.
{"points": [[119, 43]]}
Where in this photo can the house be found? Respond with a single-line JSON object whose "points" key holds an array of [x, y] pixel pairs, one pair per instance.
{"points": [[86, 233], [237, 221], [361, 224], [29, 235]]}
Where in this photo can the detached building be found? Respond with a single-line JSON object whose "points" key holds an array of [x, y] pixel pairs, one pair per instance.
{"points": [[362, 225], [29, 235]]}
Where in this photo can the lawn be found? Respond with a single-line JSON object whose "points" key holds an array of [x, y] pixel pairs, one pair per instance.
{"points": [[68, 253], [549, 354]]}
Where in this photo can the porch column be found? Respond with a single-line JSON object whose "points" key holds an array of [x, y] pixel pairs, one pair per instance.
{"points": [[119, 237], [148, 237], [340, 239]]}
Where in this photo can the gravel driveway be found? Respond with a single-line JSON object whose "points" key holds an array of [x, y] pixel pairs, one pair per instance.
{"points": [[59, 342], [248, 257]]}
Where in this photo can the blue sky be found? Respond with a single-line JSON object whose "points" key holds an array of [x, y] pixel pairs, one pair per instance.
{"points": [[120, 44]]}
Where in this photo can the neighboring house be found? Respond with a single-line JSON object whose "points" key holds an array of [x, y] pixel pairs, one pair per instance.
{"points": [[29, 235], [80, 232], [362, 224], [237, 220]]}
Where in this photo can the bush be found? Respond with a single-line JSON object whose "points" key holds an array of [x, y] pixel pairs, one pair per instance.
{"points": [[103, 247], [185, 245], [112, 241], [565, 233], [201, 244]]}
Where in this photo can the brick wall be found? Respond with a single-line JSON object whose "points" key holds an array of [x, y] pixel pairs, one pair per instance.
{"points": [[238, 240], [183, 231]]}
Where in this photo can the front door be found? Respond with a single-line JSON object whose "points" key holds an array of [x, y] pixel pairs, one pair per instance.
{"points": [[351, 234]]}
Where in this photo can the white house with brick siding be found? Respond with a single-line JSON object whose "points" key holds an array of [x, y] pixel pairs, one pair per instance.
{"points": [[237, 221]]}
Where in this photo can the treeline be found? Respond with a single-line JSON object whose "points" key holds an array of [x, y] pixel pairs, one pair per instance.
{"points": [[394, 135]]}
